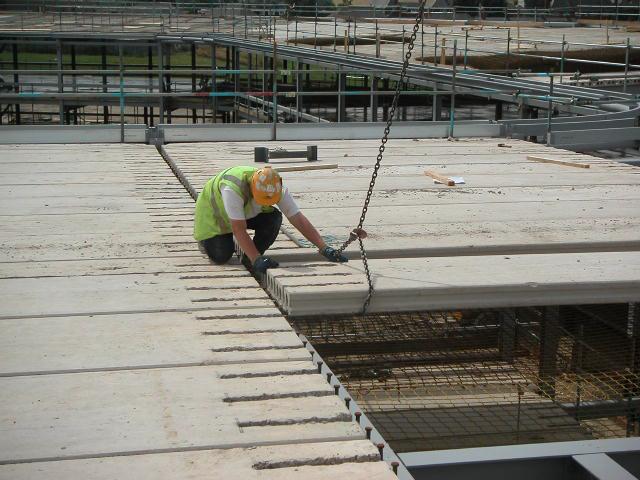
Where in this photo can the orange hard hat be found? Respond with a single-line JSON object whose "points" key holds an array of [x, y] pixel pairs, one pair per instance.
{"points": [[266, 186]]}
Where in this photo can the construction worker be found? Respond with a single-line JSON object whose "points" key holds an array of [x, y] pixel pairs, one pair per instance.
{"points": [[241, 198]]}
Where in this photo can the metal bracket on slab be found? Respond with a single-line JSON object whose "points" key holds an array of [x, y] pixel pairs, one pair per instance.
{"points": [[154, 136], [263, 154]]}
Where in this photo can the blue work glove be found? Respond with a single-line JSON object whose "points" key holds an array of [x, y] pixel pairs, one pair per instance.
{"points": [[262, 264], [333, 255]]}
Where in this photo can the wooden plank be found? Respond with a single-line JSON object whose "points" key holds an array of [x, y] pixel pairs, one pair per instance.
{"points": [[535, 158], [440, 178]]}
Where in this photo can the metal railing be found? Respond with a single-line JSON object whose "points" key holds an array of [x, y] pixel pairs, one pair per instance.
{"points": [[119, 11], [241, 19], [264, 97], [254, 89]]}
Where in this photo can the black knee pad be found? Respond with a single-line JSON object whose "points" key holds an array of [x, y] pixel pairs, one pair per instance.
{"points": [[219, 249], [220, 258], [277, 218]]}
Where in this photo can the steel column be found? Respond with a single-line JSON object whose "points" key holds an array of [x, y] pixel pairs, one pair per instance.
{"points": [[161, 81], [373, 99], [122, 106], [194, 112], [60, 79], [436, 106], [105, 108], [549, 340], [627, 52], [300, 66], [235, 65], [550, 110], [214, 81], [498, 112], [452, 110], [342, 86], [167, 77], [16, 81], [633, 331], [150, 78], [274, 98], [508, 335]]}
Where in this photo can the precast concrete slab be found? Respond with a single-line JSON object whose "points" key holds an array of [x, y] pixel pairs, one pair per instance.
{"points": [[49, 417], [34, 346], [442, 283], [507, 203], [517, 232], [352, 459], [121, 343]]}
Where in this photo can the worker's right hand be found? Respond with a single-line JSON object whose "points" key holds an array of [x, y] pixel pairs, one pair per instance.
{"points": [[262, 264], [333, 255]]}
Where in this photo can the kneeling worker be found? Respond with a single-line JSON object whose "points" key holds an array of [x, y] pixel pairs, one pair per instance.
{"points": [[241, 198]]}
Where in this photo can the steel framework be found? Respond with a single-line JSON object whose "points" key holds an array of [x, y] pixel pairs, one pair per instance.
{"points": [[276, 92], [617, 459]]}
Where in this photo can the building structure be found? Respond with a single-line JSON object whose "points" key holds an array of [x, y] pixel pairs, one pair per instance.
{"points": [[504, 308]]}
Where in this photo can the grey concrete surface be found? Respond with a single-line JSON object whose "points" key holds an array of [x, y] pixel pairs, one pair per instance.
{"points": [[32, 346], [446, 283], [50, 417], [354, 459], [508, 206], [125, 352]]}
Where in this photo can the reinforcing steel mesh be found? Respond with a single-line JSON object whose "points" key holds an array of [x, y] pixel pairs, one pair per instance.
{"points": [[474, 378]]}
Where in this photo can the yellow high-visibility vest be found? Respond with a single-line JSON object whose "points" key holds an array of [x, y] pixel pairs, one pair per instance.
{"points": [[211, 218]]}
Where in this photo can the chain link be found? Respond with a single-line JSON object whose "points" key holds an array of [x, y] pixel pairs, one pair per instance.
{"points": [[357, 233]]}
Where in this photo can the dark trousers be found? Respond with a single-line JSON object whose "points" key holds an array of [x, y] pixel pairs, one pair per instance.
{"points": [[266, 227]]}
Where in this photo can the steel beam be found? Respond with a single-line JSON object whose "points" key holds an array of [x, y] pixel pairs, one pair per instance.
{"points": [[595, 139], [492, 86], [539, 129], [589, 410], [551, 461], [297, 113], [571, 99], [602, 467], [487, 82]]}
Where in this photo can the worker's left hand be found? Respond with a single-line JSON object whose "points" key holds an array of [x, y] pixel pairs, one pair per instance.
{"points": [[262, 264], [333, 255]]}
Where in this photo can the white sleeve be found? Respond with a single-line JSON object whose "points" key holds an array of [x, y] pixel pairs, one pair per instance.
{"points": [[233, 204], [287, 204]]}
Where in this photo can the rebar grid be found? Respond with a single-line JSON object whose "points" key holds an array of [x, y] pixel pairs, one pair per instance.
{"points": [[435, 380]]}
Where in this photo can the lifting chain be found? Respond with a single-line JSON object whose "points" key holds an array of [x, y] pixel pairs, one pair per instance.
{"points": [[358, 233]]}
